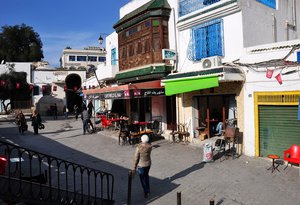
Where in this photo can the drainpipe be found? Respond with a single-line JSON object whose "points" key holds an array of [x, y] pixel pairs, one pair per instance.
{"points": [[293, 25], [274, 28], [175, 35]]}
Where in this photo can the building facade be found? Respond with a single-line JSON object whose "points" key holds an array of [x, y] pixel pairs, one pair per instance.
{"points": [[212, 37], [85, 58]]}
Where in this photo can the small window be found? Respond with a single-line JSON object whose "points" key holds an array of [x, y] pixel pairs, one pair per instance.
{"points": [[139, 48], [101, 59], [71, 58], [131, 50], [147, 46], [92, 58], [81, 58], [155, 23], [147, 24]]}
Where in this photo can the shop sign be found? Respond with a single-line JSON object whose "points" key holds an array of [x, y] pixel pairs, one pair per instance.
{"points": [[113, 95], [168, 54], [153, 92]]}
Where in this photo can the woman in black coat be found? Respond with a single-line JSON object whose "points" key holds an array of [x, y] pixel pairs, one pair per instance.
{"points": [[36, 121]]}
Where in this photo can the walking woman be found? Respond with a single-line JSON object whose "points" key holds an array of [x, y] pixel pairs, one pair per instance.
{"points": [[142, 163], [36, 121], [21, 122]]}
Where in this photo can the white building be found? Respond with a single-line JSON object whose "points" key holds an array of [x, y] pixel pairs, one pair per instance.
{"points": [[49, 86], [85, 58], [212, 35]]}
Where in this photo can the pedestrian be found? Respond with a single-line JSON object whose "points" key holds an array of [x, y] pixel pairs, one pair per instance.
{"points": [[90, 108], [76, 111], [36, 121], [85, 119], [54, 111], [21, 122], [142, 163], [65, 111]]}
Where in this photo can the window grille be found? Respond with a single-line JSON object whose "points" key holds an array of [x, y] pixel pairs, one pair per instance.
{"points": [[188, 6], [206, 40]]}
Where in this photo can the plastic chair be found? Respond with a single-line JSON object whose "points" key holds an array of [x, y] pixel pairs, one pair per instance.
{"points": [[292, 155]]}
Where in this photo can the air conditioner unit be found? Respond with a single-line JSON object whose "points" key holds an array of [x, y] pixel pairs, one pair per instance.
{"points": [[211, 62]]}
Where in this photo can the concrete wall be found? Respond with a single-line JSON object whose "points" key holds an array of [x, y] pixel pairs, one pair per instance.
{"points": [[262, 24]]}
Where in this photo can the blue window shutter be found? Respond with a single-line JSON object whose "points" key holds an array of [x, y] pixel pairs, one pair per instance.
{"points": [[113, 56], [214, 40], [206, 40], [200, 43]]}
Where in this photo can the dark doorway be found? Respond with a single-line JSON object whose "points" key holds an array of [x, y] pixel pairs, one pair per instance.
{"points": [[171, 111], [213, 109], [73, 93]]}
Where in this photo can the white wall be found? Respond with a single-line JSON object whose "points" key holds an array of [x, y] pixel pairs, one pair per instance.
{"points": [[256, 81], [107, 70], [258, 22], [233, 43]]}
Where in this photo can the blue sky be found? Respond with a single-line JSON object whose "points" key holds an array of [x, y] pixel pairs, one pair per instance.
{"points": [[62, 23]]}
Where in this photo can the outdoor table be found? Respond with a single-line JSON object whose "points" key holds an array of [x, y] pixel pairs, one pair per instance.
{"points": [[273, 157], [116, 122]]}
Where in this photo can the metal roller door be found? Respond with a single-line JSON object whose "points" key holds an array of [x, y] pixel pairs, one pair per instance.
{"points": [[279, 128]]}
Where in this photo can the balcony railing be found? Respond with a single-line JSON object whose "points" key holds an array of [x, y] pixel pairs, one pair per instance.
{"points": [[37, 178]]}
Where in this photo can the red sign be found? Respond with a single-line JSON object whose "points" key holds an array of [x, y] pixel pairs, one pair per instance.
{"points": [[18, 85]]}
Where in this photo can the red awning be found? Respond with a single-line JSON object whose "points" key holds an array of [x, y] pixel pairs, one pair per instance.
{"points": [[144, 89]]}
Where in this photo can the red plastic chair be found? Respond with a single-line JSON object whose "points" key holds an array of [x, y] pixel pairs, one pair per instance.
{"points": [[292, 155], [106, 123]]}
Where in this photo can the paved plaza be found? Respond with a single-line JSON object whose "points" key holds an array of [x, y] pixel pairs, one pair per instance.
{"points": [[175, 168]]}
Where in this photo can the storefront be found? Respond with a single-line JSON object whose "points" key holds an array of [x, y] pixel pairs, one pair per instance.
{"points": [[205, 98], [277, 122], [139, 101]]}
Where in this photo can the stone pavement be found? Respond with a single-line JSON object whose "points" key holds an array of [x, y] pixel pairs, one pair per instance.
{"points": [[175, 168]]}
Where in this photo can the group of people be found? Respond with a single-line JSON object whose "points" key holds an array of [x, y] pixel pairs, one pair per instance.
{"points": [[142, 156], [36, 122]]}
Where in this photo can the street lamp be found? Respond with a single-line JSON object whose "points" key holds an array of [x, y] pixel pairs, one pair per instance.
{"points": [[100, 40]]}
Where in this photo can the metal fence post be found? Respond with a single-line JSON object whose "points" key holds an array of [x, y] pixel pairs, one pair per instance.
{"points": [[129, 187], [178, 198]]}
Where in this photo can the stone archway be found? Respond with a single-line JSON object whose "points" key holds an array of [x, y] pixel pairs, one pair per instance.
{"points": [[73, 83]]}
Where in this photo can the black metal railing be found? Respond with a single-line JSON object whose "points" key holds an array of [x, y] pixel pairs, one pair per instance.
{"points": [[37, 178]]}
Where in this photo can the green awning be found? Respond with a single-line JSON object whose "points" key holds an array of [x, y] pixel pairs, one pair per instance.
{"points": [[183, 85]]}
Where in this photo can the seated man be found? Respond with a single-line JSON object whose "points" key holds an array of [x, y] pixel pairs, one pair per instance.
{"points": [[219, 128]]}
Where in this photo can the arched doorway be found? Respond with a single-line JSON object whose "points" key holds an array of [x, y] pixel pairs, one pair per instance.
{"points": [[73, 92]]}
